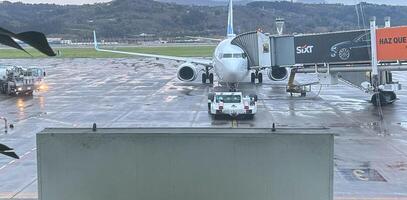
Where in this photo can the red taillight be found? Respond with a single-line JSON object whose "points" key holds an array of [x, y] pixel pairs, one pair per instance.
{"points": [[246, 106]]}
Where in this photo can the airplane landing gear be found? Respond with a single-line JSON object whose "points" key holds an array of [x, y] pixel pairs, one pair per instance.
{"points": [[204, 77], [233, 87], [211, 78], [207, 76], [258, 76]]}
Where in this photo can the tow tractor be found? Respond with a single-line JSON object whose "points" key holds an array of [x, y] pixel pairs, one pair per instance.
{"points": [[232, 103], [16, 80]]}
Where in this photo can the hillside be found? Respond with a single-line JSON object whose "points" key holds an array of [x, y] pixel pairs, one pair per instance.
{"points": [[347, 2], [126, 18]]}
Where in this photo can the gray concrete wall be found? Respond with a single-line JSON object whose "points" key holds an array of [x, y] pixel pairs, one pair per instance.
{"points": [[184, 164]]}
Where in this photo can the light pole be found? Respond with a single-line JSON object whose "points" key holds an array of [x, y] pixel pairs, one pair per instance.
{"points": [[5, 124]]}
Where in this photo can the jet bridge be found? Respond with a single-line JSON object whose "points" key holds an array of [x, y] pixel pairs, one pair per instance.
{"points": [[265, 51], [261, 53], [349, 56], [363, 59]]}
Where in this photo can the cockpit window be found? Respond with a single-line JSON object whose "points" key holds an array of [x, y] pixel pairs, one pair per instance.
{"points": [[237, 55], [227, 55], [233, 55]]}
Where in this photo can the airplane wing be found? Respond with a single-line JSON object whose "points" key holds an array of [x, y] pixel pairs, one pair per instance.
{"points": [[198, 61], [205, 38]]}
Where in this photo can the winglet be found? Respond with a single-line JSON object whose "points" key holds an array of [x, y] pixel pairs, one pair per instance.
{"points": [[95, 42]]}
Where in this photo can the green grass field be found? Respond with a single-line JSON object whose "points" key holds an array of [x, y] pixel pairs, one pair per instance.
{"points": [[185, 51]]}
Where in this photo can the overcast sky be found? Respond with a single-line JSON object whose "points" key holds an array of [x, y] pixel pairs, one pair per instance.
{"points": [[60, 1], [392, 2]]}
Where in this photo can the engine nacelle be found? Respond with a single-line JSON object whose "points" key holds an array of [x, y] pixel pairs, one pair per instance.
{"points": [[187, 72], [278, 73]]}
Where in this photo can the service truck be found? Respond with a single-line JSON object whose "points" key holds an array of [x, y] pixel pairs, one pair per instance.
{"points": [[233, 104], [17, 80]]}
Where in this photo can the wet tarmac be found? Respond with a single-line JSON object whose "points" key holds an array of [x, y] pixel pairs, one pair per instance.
{"points": [[370, 157]]}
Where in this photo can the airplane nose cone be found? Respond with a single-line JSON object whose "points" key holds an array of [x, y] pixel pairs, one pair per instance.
{"points": [[234, 76], [233, 70]]}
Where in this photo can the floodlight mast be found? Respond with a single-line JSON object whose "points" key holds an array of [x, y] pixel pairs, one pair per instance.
{"points": [[375, 71], [280, 25]]}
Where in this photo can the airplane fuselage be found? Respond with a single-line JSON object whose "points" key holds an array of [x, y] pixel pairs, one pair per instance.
{"points": [[230, 62]]}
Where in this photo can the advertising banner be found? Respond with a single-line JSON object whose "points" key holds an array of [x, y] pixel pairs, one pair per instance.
{"points": [[338, 47], [392, 43]]}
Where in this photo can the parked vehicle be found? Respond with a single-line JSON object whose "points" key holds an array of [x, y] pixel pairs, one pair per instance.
{"points": [[16, 80]]}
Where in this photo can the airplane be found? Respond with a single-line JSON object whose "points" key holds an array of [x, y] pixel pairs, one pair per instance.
{"points": [[229, 62]]}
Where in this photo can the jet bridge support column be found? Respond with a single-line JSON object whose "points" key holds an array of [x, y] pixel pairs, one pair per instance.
{"points": [[382, 95], [387, 76]]}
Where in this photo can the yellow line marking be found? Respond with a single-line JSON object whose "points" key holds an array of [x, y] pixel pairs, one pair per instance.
{"points": [[14, 161], [25, 195]]}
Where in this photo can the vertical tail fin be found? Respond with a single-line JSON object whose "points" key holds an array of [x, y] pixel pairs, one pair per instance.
{"points": [[230, 32], [95, 42]]}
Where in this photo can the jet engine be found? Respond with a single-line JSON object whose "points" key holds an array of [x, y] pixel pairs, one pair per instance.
{"points": [[277, 73], [187, 72]]}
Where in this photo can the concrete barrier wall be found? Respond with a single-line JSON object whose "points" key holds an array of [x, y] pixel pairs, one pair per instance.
{"points": [[185, 164]]}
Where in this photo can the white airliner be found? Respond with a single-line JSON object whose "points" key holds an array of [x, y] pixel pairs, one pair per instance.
{"points": [[229, 62]]}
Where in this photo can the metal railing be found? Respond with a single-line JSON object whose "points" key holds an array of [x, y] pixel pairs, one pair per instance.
{"points": [[5, 124]]}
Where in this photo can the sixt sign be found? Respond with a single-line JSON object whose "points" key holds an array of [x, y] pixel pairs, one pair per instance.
{"points": [[336, 47], [306, 49]]}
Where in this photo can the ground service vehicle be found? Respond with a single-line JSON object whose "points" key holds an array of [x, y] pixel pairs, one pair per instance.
{"points": [[16, 80], [232, 103]]}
